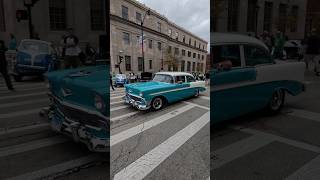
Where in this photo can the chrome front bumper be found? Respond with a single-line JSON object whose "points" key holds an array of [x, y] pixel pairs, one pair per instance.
{"points": [[136, 102], [79, 132]]}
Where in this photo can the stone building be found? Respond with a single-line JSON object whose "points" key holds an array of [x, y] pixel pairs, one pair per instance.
{"points": [[255, 16], [51, 19], [313, 16], [162, 39]]}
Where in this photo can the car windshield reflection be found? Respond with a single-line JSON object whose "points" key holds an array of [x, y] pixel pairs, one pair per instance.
{"points": [[163, 78]]}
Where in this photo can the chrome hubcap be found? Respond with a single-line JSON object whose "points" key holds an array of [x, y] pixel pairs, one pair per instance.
{"points": [[157, 103]]}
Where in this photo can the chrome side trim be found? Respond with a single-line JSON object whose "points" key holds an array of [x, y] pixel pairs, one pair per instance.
{"points": [[179, 89], [30, 66]]}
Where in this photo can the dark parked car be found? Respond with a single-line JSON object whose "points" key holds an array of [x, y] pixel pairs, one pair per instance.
{"points": [[146, 76]]}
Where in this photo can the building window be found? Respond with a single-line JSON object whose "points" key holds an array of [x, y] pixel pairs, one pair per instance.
{"points": [[126, 38], [176, 51], [97, 15], [183, 66], [293, 18], [138, 18], [282, 21], [189, 54], [190, 41], [199, 45], [193, 67], [57, 13], [2, 17], [183, 52], [150, 64], [203, 47], [202, 57], [188, 66], [194, 55], [159, 46], [184, 39], [252, 16], [267, 22], [233, 14], [159, 26], [177, 36], [150, 43], [128, 63], [195, 43], [125, 12], [170, 32], [140, 63], [198, 56], [169, 49]]}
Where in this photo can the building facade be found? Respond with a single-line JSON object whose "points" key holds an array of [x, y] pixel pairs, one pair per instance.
{"points": [[166, 46], [313, 16], [51, 19], [255, 16]]}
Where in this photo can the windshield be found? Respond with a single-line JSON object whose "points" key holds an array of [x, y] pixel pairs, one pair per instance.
{"points": [[34, 47], [163, 78], [121, 76]]}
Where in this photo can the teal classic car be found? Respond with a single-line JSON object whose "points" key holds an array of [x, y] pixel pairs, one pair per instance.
{"points": [[245, 78], [79, 105], [166, 87]]}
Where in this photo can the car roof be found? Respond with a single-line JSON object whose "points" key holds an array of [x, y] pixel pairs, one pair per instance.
{"points": [[175, 73], [232, 38], [36, 41]]}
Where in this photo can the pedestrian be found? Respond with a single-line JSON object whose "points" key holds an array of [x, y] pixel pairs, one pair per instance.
{"points": [[111, 84], [312, 48], [207, 78], [3, 66], [72, 50], [265, 37], [12, 43], [279, 45]]}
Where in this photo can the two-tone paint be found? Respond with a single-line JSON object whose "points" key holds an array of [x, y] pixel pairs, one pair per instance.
{"points": [[246, 89], [141, 95]]}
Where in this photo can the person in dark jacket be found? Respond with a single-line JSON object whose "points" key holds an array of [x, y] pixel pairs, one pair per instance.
{"points": [[4, 64], [312, 48], [111, 84]]}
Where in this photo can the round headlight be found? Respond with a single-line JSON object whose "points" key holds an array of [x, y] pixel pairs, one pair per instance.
{"points": [[99, 103], [141, 94]]}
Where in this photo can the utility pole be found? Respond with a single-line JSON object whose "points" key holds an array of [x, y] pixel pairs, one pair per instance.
{"points": [[29, 4], [142, 39]]}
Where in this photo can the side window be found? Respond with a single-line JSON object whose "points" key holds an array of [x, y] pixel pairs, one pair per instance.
{"points": [[180, 79], [255, 55], [226, 54], [190, 79]]}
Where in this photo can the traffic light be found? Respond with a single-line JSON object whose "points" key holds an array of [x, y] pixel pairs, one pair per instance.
{"points": [[21, 15]]}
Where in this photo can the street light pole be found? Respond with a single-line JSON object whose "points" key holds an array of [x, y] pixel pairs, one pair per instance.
{"points": [[29, 4], [142, 39]]}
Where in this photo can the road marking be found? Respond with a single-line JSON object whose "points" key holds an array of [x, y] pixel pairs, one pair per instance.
{"points": [[148, 162], [15, 149], [119, 94], [19, 113], [124, 116], [310, 170], [6, 105], [124, 135], [115, 97], [118, 108], [205, 97], [117, 102], [197, 105], [238, 149], [30, 127], [22, 95], [208, 178], [303, 114], [291, 142], [45, 172]]}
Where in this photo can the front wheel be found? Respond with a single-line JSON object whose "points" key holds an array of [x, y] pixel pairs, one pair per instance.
{"points": [[157, 103], [276, 102]]}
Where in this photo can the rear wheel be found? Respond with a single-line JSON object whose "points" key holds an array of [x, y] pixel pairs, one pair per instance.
{"points": [[277, 100], [157, 103]]}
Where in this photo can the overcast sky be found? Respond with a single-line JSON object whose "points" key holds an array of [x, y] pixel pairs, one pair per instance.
{"points": [[193, 15]]}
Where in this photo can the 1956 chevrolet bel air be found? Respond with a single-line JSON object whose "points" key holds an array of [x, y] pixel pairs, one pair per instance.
{"points": [[166, 87], [245, 78], [79, 105]]}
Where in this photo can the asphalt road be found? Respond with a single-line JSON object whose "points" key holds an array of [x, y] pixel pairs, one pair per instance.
{"points": [[259, 146], [172, 143], [29, 149]]}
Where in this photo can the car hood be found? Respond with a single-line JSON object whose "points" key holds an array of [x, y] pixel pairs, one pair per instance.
{"points": [[79, 86]]}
